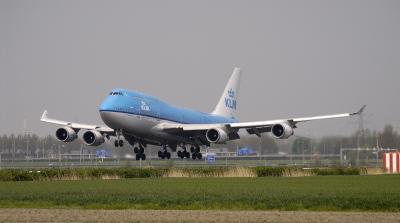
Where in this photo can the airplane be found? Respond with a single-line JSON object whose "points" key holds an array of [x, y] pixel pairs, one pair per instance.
{"points": [[144, 120]]}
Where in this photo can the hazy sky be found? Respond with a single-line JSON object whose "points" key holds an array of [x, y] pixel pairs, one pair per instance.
{"points": [[299, 58]]}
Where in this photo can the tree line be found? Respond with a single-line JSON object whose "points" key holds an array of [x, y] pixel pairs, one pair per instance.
{"points": [[31, 145], [388, 138]]}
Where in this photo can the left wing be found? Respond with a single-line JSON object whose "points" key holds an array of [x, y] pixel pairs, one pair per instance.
{"points": [[73, 125], [251, 127]]}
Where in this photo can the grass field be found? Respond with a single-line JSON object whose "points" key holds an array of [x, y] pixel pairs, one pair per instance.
{"points": [[127, 173], [320, 193]]}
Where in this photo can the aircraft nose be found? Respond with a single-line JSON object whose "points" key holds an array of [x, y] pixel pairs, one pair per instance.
{"points": [[106, 105]]}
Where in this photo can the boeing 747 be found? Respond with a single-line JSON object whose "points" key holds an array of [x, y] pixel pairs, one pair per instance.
{"points": [[141, 119]]}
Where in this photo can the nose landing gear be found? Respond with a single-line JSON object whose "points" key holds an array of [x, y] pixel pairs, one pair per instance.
{"points": [[118, 142]]}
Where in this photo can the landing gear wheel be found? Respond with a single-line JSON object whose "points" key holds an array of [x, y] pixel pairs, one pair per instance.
{"points": [[138, 156], [121, 143], [161, 154], [116, 144], [180, 155], [192, 149], [141, 149], [167, 155], [136, 150], [164, 153], [143, 156], [194, 156], [187, 155], [199, 156]]}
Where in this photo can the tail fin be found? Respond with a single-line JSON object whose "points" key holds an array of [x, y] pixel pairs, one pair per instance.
{"points": [[227, 105]]}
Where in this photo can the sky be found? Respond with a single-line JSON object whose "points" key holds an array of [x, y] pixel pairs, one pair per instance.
{"points": [[298, 58]]}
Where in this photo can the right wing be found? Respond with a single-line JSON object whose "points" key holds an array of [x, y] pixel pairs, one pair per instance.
{"points": [[257, 127], [77, 126]]}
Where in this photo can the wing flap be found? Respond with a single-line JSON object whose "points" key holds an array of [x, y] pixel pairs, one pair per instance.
{"points": [[256, 124], [258, 131], [306, 119], [170, 127]]}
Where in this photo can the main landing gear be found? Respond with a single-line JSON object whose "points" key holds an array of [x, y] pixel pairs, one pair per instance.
{"points": [[139, 153], [183, 154], [196, 154], [164, 154], [195, 151]]}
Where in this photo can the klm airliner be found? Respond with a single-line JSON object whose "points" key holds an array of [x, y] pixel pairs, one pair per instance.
{"points": [[144, 120]]}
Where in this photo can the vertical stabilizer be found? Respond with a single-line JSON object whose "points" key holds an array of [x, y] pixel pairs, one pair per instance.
{"points": [[227, 105]]}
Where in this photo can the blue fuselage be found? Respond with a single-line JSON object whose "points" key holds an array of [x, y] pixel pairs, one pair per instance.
{"points": [[139, 104]]}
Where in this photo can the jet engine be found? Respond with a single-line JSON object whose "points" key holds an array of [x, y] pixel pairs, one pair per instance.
{"points": [[93, 138], [217, 136], [66, 134], [282, 130]]}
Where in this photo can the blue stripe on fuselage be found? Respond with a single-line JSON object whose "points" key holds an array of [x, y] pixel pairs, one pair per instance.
{"points": [[142, 104]]}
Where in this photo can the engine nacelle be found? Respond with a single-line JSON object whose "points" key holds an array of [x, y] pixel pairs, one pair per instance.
{"points": [[282, 131], [66, 134], [93, 138], [217, 136]]}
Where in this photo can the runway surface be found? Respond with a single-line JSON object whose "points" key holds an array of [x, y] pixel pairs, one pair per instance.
{"points": [[79, 215]]}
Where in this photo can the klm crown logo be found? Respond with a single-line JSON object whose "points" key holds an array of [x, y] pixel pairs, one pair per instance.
{"points": [[231, 93], [144, 106], [230, 102]]}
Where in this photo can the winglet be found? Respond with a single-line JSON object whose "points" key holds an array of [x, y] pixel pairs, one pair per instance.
{"points": [[359, 112], [44, 115]]}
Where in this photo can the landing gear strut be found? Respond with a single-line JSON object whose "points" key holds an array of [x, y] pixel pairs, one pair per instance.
{"points": [[139, 153], [164, 154]]}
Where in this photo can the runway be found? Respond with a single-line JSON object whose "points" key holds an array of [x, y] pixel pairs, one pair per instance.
{"points": [[80, 215]]}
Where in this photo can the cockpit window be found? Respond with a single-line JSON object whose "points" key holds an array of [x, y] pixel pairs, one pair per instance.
{"points": [[116, 93]]}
